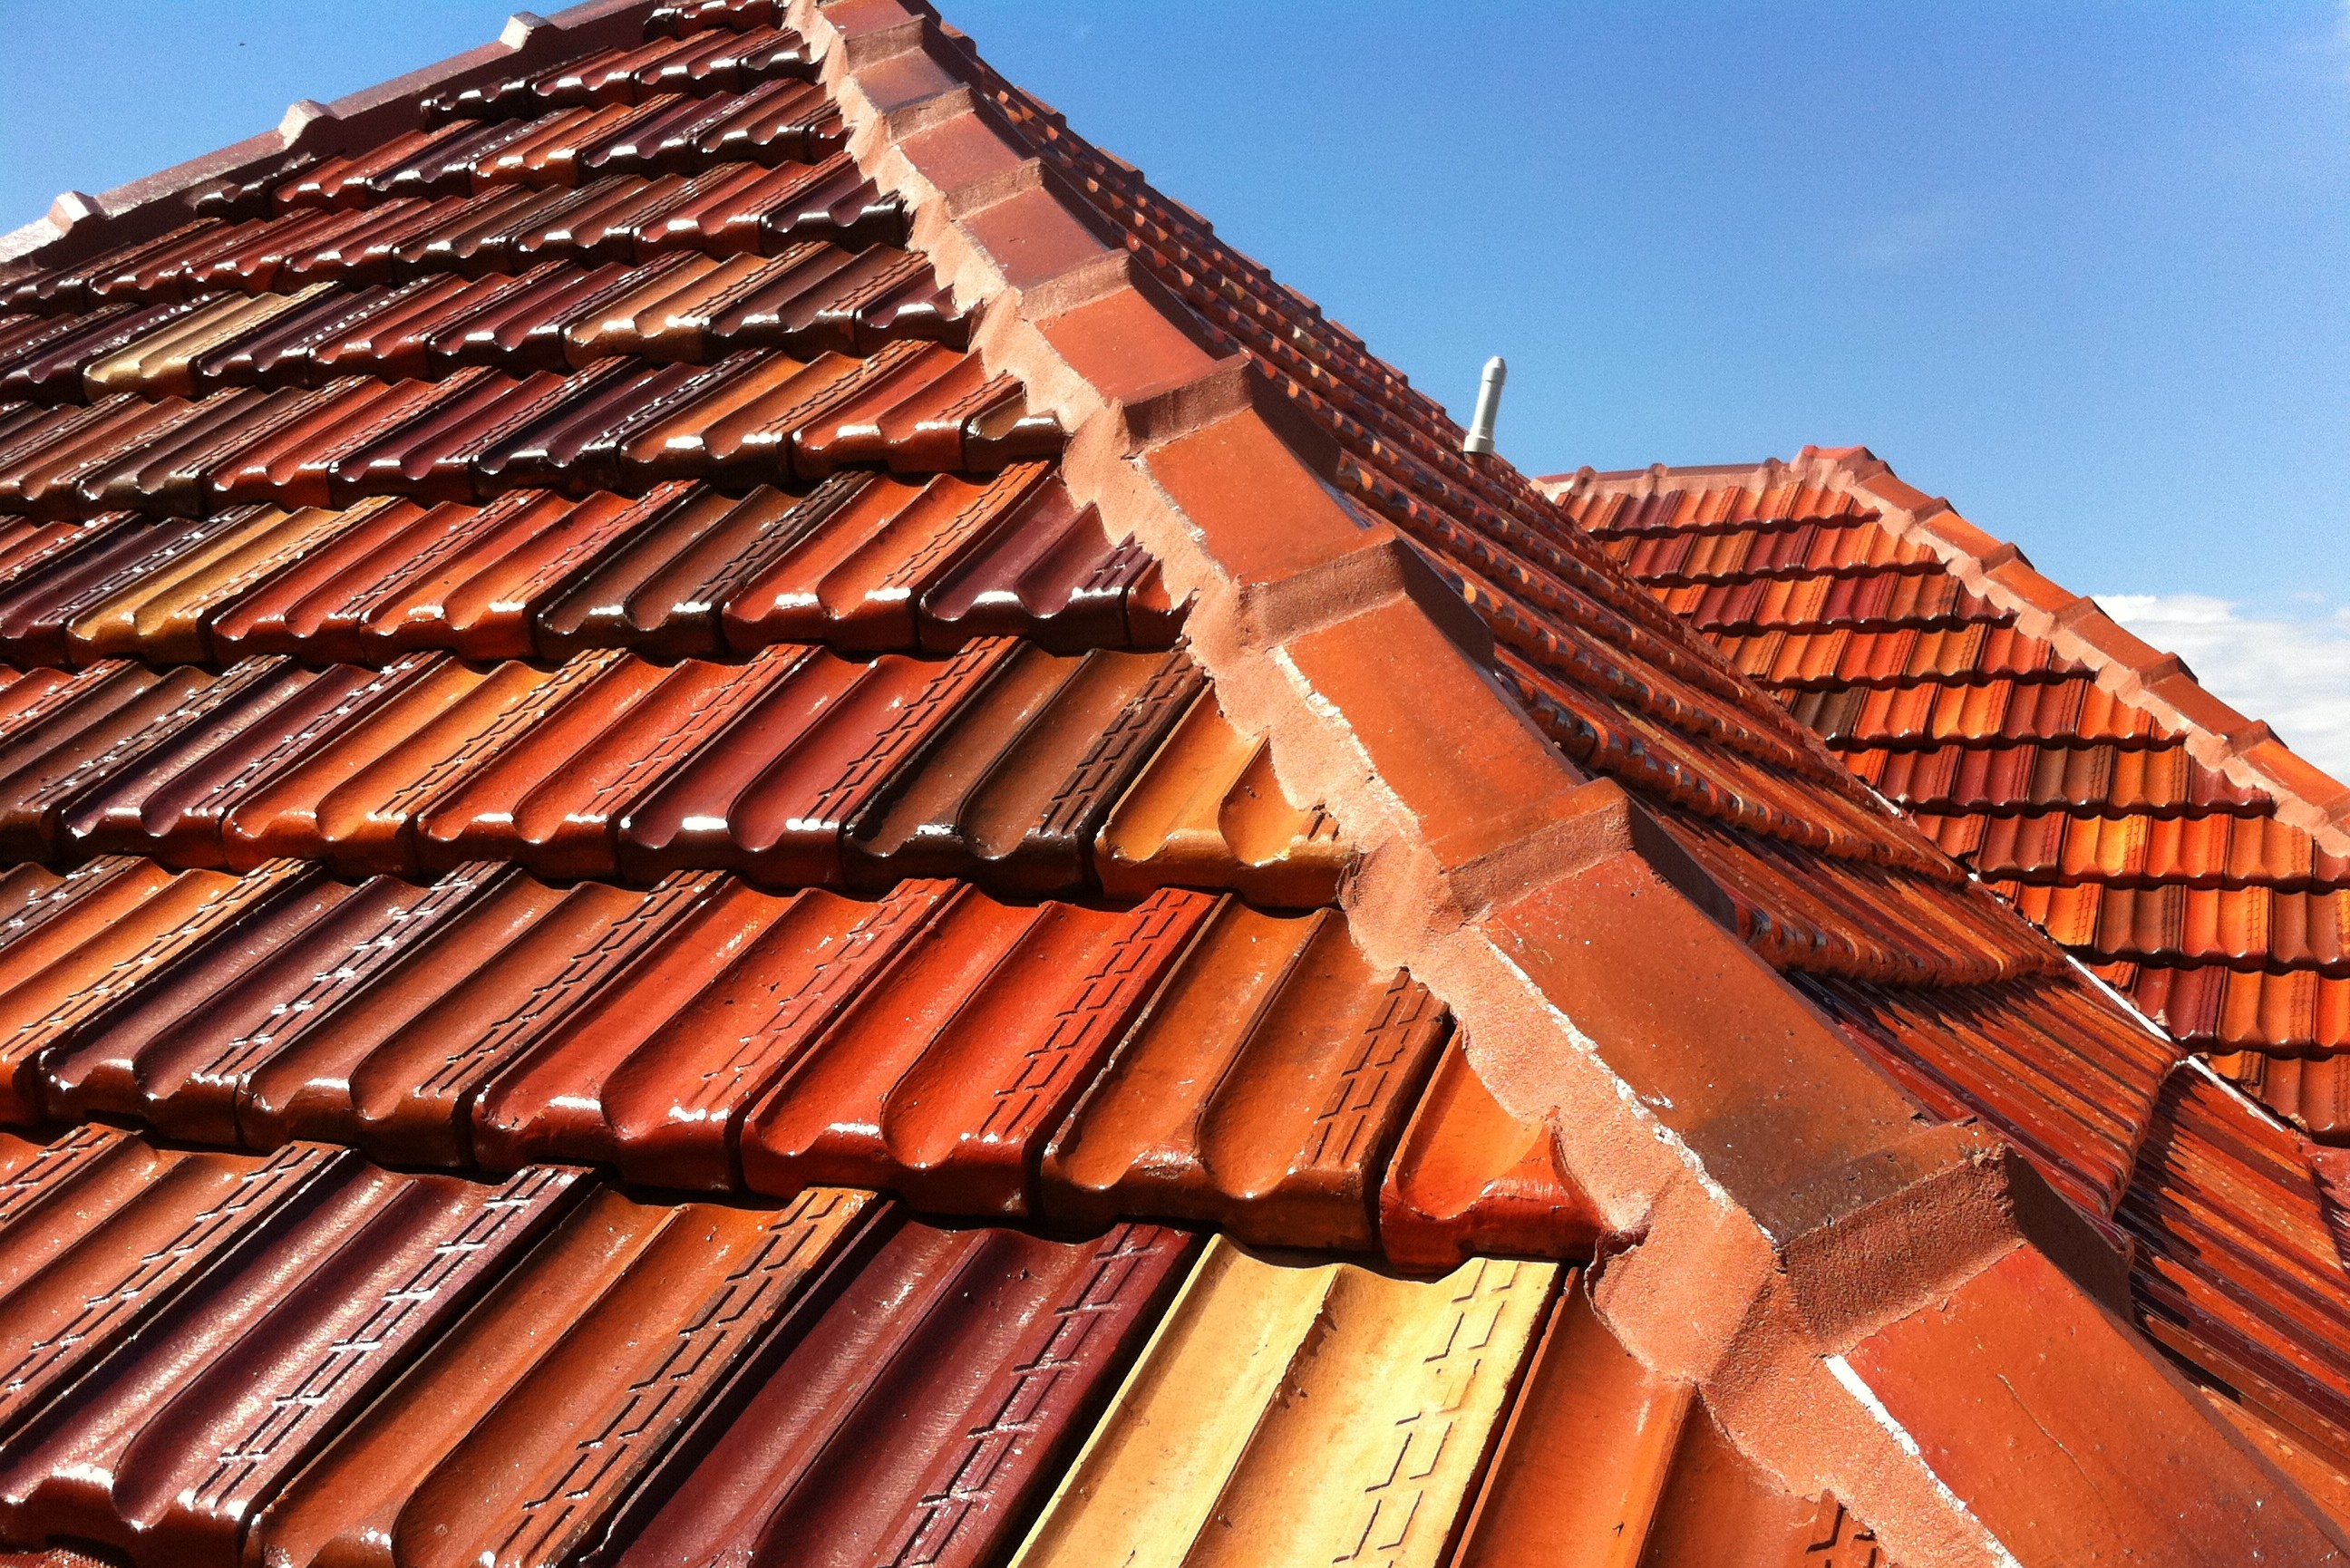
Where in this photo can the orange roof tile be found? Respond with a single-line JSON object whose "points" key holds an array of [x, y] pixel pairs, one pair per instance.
{"points": [[2152, 830], [733, 718]]}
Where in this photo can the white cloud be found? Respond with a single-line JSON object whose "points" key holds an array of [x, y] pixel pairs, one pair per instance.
{"points": [[1906, 235], [2293, 673]]}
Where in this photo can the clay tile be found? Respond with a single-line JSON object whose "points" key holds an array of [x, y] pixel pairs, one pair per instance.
{"points": [[86, 1254], [2297, 777], [2020, 580], [867, 558], [1049, 575], [508, 968], [653, 1075], [279, 1368], [776, 800], [932, 1408], [1228, 1432], [1469, 1178], [1207, 812], [1603, 1459], [944, 1079], [1016, 787], [552, 1365], [1263, 1091], [107, 930], [2116, 1458]]}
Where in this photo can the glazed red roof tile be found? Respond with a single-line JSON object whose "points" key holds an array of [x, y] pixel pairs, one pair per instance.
{"points": [[570, 1383], [2108, 820], [2240, 1257], [829, 1376], [1469, 1178], [1275, 1068], [799, 767], [1603, 1459], [976, 1056], [539, 631], [281, 1367], [2064, 1076]]}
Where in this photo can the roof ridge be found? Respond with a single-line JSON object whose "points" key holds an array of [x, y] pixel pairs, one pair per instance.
{"points": [[78, 225], [2244, 750], [1547, 908]]}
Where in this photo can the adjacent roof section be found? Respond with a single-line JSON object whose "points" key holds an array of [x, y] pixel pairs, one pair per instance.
{"points": [[2174, 845]]}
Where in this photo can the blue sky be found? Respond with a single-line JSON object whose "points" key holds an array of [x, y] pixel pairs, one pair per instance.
{"points": [[2080, 266]]}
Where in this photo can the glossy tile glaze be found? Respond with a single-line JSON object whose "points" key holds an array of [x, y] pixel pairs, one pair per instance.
{"points": [[1604, 1464], [98, 1229], [655, 1076], [1023, 781], [2218, 920], [1291, 1415], [796, 767], [665, 712], [1262, 1093], [167, 1448], [945, 1078], [84, 945], [751, 417], [2061, 1073], [2111, 1463], [2238, 1259], [926, 1414], [1187, 1056], [1211, 814], [1468, 1177], [517, 1435]]}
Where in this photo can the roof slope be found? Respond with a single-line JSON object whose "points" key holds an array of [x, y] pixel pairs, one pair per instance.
{"points": [[2173, 845], [618, 606], [2163, 837]]}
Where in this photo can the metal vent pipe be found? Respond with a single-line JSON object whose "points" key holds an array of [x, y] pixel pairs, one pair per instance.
{"points": [[1479, 439]]}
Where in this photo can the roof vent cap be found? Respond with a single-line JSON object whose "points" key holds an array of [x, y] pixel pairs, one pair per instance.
{"points": [[1479, 441]]}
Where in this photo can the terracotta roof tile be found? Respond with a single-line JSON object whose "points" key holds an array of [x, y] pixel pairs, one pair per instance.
{"points": [[2088, 1479], [282, 1367], [1228, 1438], [830, 1373], [2099, 800], [930, 1408], [2106, 814], [1272, 1076], [1470, 1179], [567, 1384], [1603, 1458], [2240, 1259], [539, 629]]}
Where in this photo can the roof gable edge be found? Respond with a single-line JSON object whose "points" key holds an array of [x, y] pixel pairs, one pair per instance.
{"points": [[77, 226], [1467, 872], [2242, 749]]}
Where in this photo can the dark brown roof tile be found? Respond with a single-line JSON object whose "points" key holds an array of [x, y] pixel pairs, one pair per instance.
{"points": [[170, 1447], [521, 1430], [933, 1407], [101, 1229]]}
